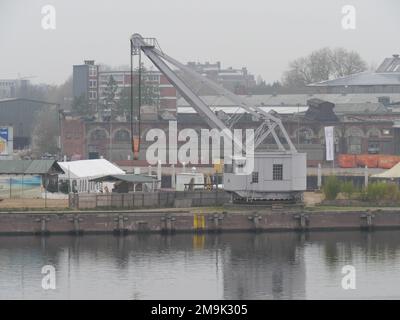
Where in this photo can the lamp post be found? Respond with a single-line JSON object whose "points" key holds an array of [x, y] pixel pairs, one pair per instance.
{"points": [[135, 131], [110, 142]]}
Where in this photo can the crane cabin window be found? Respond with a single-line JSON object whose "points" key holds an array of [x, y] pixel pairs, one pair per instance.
{"points": [[277, 172], [254, 177]]}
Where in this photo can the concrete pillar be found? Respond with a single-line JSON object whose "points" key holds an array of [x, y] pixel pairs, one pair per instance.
{"points": [[366, 176], [183, 167], [159, 174], [173, 177], [319, 182]]}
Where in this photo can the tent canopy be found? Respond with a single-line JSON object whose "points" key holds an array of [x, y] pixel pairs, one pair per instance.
{"points": [[131, 178], [89, 169], [392, 173]]}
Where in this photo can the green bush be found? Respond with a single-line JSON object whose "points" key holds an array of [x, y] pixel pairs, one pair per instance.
{"points": [[331, 188], [380, 191], [348, 189]]}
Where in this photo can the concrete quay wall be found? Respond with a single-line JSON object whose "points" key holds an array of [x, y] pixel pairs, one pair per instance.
{"points": [[186, 221]]}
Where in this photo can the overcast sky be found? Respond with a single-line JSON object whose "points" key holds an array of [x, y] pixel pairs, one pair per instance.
{"points": [[263, 35]]}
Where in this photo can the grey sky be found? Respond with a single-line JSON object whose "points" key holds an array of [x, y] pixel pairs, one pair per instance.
{"points": [[260, 34]]}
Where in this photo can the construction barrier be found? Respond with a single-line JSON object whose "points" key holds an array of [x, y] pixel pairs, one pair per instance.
{"points": [[347, 161], [387, 162], [370, 160]]}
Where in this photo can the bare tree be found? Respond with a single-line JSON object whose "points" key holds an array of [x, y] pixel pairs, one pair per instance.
{"points": [[346, 62], [323, 64]]}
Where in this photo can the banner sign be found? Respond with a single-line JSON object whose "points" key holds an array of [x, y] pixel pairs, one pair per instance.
{"points": [[329, 143], [3, 141]]}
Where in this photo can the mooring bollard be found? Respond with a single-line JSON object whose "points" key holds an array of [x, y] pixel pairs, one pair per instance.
{"points": [[303, 220], [120, 224], [76, 221], [255, 218], [168, 223], [43, 224], [368, 216], [217, 219]]}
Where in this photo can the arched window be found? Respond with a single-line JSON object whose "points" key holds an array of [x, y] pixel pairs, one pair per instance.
{"points": [[354, 137], [98, 134], [373, 133], [122, 135]]}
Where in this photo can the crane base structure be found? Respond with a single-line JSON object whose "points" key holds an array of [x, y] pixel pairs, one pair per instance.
{"points": [[278, 174]]}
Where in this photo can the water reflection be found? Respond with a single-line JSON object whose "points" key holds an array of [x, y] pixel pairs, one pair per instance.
{"points": [[204, 266]]}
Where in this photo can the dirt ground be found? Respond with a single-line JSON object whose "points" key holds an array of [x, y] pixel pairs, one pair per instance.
{"points": [[32, 203], [312, 198]]}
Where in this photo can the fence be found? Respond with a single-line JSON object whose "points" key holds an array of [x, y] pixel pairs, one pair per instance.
{"points": [[137, 200], [312, 181]]}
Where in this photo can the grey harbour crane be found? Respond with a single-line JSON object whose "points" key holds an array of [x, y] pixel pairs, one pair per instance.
{"points": [[278, 174]]}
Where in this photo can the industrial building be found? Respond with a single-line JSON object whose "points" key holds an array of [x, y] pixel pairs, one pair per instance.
{"points": [[90, 80], [20, 114], [362, 125], [13, 88], [385, 79], [238, 81]]}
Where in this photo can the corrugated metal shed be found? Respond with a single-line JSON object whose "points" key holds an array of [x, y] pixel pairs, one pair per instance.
{"points": [[29, 167], [362, 79]]}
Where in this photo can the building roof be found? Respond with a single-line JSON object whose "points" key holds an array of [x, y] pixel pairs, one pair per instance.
{"points": [[230, 110], [131, 178], [391, 64], [296, 103], [362, 79], [342, 108], [29, 167], [293, 100], [89, 169], [28, 100]]}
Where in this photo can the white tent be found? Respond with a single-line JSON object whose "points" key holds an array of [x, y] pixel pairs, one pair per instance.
{"points": [[392, 173], [79, 172]]}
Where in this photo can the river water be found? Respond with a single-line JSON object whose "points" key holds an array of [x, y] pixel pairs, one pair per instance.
{"points": [[186, 266]]}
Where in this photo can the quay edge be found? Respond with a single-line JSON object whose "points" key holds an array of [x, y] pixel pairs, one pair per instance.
{"points": [[195, 221]]}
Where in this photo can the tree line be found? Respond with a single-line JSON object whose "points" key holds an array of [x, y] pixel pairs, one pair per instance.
{"points": [[323, 64]]}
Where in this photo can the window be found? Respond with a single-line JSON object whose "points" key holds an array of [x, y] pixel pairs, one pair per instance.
{"points": [[122, 135], [92, 71], [254, 177], [277, 172], [92, 95], [373, 147], [92, 83], [98, 134], [354, 144]]}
